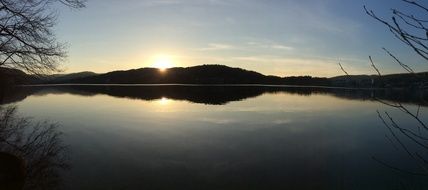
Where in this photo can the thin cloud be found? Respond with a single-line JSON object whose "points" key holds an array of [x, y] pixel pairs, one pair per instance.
{"points": [[217, 47], [301, 66], [276, 46], [270, 45]]}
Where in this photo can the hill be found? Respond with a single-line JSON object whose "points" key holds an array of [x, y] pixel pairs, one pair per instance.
{"points": [[61, 78], [402, 80], [215, 74], [10, 76], [203, 74]]}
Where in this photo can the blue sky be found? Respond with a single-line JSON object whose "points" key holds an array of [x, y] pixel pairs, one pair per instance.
{"points": [[275, 37]]}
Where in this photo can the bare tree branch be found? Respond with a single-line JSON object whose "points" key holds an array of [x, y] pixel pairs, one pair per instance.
{"points": [[411, 31], [407, 28], [405, 67], [341, 67], [374, 66], [27, 41]]}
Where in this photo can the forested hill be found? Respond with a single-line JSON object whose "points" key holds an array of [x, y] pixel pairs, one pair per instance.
{"points": [[204, 74], [214, 74], [14, 76]]}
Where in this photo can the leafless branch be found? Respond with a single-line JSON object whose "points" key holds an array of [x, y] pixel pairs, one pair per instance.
{"points": [[407, 28], [341, 67], [374, 66], [412, 31], [405, 67], [27, 41]]}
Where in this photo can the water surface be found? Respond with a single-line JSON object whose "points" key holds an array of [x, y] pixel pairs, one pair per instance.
{"points": [[193, 137]]}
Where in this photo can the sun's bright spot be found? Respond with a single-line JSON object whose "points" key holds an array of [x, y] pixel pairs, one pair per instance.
{"points": [[164, 101], [163, 62]]}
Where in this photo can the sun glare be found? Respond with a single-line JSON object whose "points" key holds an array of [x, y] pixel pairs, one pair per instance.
{"points": [[163, 62], [164, 101]]}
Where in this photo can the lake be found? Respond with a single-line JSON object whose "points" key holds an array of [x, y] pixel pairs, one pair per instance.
{"points": [[226, 137]]}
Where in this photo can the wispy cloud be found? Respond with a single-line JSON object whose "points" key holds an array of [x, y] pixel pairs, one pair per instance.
{"points": [[315, 66], [281, 37], [245, 46], [216, 47], [270, 45], [276, 46]]}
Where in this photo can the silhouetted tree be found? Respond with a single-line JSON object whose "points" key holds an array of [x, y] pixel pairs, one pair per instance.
{"points": [[27, 41]]}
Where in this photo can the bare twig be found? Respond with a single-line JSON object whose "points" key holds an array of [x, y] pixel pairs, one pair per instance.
{"points": [[341, 67], [374, 66], [411, 31], [405, 67]]}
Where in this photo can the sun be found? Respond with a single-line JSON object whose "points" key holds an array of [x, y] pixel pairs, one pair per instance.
{"points": [[164, 101], [163, 62]]}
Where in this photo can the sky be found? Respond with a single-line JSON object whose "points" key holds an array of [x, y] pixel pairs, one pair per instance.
{"points": [[273, 37]]}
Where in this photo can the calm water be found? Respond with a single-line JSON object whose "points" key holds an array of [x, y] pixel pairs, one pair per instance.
{"points": [[194, 137]]}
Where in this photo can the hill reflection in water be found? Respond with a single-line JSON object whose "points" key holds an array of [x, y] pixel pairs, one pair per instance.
{"points": [[161, 137], [212, 95]]}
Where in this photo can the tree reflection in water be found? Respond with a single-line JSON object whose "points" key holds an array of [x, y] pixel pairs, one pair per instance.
{"points": [[35, 146], [410, 139]]}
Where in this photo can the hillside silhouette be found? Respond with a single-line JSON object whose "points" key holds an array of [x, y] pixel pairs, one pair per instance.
{"points": [[60, 78], [203, 74], [214, 75], [14, 76]]}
